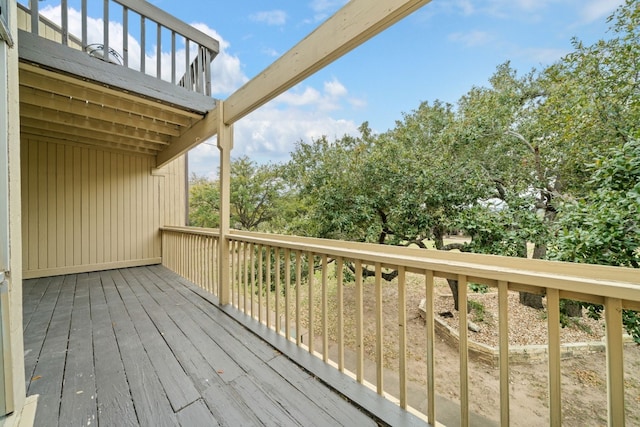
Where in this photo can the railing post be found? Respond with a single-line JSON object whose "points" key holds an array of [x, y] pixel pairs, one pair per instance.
{"points": [[615, 362], [225, 145]]}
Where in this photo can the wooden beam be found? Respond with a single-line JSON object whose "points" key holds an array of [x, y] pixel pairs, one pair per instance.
{"points": [[73, 121], [81, 135], [64, 85], [199, 132], [355, 23], [70, 105], [54, 138]]}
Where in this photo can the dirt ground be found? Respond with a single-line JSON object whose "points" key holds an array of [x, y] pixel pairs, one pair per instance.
{"points": [[584, 395]]}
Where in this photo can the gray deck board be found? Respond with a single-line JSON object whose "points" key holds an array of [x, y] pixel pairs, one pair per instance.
{"points": [[78, 405], [142, 346], [112, 389]]}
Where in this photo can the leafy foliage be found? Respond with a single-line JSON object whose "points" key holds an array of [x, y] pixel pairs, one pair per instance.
{"points": [[604, 226], [204, 203], [258, 193]]}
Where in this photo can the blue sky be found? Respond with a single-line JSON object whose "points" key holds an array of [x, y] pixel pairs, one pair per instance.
{"points": [[439, 52]]}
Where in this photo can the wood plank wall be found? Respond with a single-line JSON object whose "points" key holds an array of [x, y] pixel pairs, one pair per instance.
{"points": [[86, 209], [46, 29]]}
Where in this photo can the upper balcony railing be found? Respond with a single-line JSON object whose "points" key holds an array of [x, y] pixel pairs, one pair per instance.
{"points": [[282, 282], [112, 37]]}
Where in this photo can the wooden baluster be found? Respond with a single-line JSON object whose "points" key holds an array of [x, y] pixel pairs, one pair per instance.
{"points": [[143, 44], [463, 351], [431, 336], [245, 282], [325, 308], [287, 294], [503, 332], [298, 296], [278, 325], [64, 12], [311, 340], [553, 322], [83, 23], [260, 281], [35, 16], [379, 331], [268, 287], [125, 35], [173, 57], [252, 263], [105, 31], [359, 324], [402, 335], [158, 51], [340, 285]]}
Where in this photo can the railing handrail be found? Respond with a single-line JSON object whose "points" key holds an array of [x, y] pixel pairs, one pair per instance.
{"points": [[265, 282], [197, 75], [159, 16], [586, 280]]}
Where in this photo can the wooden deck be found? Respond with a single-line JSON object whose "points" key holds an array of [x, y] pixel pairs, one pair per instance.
{"points": [[141, 346]]}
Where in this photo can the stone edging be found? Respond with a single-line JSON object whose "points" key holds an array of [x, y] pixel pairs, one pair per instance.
{"points": [[519, 354]]}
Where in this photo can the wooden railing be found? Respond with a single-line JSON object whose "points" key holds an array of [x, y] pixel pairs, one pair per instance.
{"points": [[282, 280], [197, 75]]}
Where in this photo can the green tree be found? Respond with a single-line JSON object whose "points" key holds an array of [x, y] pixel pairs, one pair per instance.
{"points": [[258, 194], [603, 227], [256, 191], [204, 202]]}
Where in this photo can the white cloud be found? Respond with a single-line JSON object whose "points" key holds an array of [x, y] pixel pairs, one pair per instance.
{"points": [[271, 52], [326, 5], [297, 98], [330, 99], [226, 72], [270, 134], [334, 88], [270, 17], [472, 38], [465, 6], [323, 8], [226, 69], [544, 56], [597, 9]]}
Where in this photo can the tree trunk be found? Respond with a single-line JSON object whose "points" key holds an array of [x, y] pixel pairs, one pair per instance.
{"points": [[571, 308], [531, 300], [453, 285]]}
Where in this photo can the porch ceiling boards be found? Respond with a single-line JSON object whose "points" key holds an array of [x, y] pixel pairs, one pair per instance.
{"points": [[140, 346], [66, 96]]}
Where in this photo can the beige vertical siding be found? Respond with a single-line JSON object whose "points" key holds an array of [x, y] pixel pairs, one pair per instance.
{"points": [[86, 209], [47, 29]]}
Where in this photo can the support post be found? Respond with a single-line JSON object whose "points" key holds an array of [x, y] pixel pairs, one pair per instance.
{"points": [[225, 145]]}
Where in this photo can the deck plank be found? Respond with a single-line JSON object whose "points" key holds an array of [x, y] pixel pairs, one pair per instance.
{"points": [[113, 397], [274, 385], [48, 373], [78, 405], [197, 414], [38, 323], [152, 405], [140, 346], [175, 381], [266, 387]]}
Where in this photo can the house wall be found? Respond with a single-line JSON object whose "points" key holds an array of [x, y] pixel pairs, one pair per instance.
{"points": [[86, 209], [46, 29], [13, 353]]}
